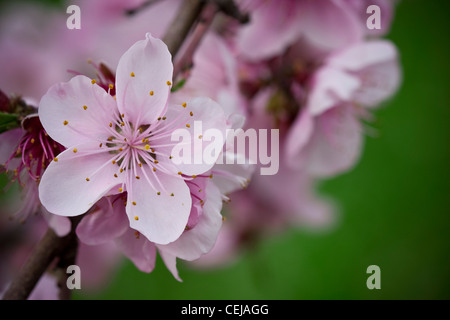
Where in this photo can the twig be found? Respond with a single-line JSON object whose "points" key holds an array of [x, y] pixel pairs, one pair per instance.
{"points": [[181, 25], [47, 249], [206, 19], [229, 8]]}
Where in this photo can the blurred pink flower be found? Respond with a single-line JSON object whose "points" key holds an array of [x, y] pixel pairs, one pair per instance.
{"points": [[34, 36], [326, 137], [276, 25]]}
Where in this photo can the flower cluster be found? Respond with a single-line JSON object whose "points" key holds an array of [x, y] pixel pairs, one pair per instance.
{"points": [[101, 146]]}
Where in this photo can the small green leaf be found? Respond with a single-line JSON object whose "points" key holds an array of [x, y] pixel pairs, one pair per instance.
{"points": [[8, 121], [178, 85]]}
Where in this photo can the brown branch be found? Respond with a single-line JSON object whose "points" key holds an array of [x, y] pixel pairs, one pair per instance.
{"points": [[47, 249], [206, 19], [181, 25]]}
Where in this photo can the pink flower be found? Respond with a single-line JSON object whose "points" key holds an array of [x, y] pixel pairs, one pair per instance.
{"points": [[123, 144], [24, 154], [326, 137], [276, 25]]}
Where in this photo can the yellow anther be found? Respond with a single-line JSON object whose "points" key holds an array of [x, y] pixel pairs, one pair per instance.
{"points": [[55, 159], [120, 189], [188, 125], [147, 147], [115, 175], [191, 113], [200, 136], [154, 169], [169, 83], [110, 124], [179, 172], [75, 150], [164, 118], [171, 194], [87, 179], [170, 157], [137, 177], [85, 107], [194, 176], [211, 176], [122, 124], [184, 104], [158, 193], [100, 145], [111, 86], [121, 170], [134, 203], [120, 149], [93, 81], [132, 74], [32, 140], [156, 161], [114, 162], [140, 165], [65, 122], [136, 218], [152, 93]]}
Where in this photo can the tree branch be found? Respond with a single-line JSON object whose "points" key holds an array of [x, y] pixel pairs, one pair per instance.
{"points": [[206, 19], [47, 249], [181, 25]]}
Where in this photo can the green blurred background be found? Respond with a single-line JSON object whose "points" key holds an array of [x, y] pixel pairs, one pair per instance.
{"points": [[394, 205]]}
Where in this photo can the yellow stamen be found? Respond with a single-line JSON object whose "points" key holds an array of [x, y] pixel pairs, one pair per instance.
{"points": [[120, 189], [188, 125], [152, 93], [136, 218], [111, 86], [134, 203], [75, 150], [85, 107], [184, 104], [132, 74], [169, 83], [65, 122], [87, 179], [93, 81], [55, 159]]}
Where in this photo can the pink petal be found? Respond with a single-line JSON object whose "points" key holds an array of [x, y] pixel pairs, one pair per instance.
{"points": [[363, 55], [336, 143], [145, 67], [138, 249], [376, 64], [199, 240], [64, 189], [330, 86], [64, 117], [9, 141], [330, 24], [103, 225], [298, 136], [161, 218], [273, 27], [207, 116], [171, 263]]}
